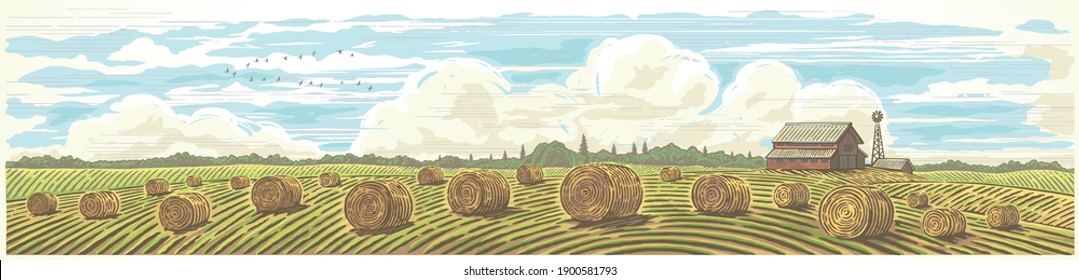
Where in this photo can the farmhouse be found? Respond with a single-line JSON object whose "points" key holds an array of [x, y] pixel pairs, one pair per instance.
{"points": [[816, 145], [897, 164]]}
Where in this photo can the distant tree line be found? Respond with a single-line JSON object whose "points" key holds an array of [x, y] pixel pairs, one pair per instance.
{"points": [[554, 154], [955, 165]]}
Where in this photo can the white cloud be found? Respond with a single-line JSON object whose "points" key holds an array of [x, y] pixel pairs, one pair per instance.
{"points": [[143, 126], [631, 89]]}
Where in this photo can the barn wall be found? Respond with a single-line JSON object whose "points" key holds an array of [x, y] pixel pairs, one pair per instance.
{"points": [[775, 164], [848, 139]]}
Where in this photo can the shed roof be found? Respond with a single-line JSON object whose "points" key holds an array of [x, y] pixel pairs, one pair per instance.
{"points": [[801, 153], [815, 132], [892, 163]]}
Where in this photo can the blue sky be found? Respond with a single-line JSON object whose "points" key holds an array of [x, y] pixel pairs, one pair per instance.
{"points": [[892, 59]]}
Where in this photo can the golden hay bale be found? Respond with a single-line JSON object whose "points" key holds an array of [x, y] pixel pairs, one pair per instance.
{"points": [[1002, 217], [849, 212], [918, 200], [182, 211], [670, 174], [943, 222], [720, 194], [156, 187], [193, 181], [431, 175], [598, 191], [477, 192], [529, 174], [99, 205], [239, 182], [276, 193], [329, 179], [376, 205], [791, 195], [41, 203]]}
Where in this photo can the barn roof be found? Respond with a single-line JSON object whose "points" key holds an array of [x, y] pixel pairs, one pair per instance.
{"points": [[801, 153], [815, 132], [892, 163]]}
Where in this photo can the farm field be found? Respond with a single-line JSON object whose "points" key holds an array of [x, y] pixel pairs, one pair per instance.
{"points": [[667, 222], [1047, 180]]}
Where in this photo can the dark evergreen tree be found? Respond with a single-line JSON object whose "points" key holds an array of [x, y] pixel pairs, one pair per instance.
{"points": [[614, 150], [469, 156], [584, 147], [644, 147], [522, 151], [505, 155], [704, 150], [633, 149]]}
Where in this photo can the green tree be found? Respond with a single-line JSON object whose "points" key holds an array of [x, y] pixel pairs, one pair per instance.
{"points": [[614, 150], [644, 147]]}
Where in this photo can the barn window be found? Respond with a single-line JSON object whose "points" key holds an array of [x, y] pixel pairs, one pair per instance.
{"points": [[804, 160], [846, 148], [824, 161], [813, 160]]}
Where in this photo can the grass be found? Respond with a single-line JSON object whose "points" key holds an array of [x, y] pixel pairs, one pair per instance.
{"points": [[667, 222]]}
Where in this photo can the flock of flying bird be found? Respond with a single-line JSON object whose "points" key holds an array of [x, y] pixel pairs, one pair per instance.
{"points": [[310, 83]]}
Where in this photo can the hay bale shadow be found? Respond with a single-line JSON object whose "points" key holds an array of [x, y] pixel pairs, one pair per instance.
{"points": [[496, 214], [806, 208], [726, 215], [105, 217], [45, 214], [286, 211], [190, 228], [634, 220], [369, 232], [1015, 228], [160, 194], [958, 238]]}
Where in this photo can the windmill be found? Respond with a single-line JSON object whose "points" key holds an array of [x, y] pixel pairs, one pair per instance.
{"points": [[878, 145]]}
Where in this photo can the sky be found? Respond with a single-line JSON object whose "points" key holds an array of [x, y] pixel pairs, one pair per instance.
{"points": [[131, 80]]}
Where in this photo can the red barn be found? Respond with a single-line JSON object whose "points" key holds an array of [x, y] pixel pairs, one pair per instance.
{"points": [[816, 145]]}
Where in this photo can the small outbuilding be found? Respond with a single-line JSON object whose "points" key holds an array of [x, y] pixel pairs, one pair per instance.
{"points": [[897, 164]]}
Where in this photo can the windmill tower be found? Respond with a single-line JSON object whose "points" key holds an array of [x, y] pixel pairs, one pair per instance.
{"points": [[878, 145]]}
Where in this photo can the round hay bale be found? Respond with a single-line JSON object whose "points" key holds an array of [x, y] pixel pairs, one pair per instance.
{"points": [[529, 174], [477, 192], [99, 204], [720, 194], [193, 181], [431, 175], [183, 211], [156, 187], [670, 174], [239, 182], [943, 222], [791, 195], [849, 212], [376, 205], [274, 194], [918, 200], [329, 179], [597, 191], [1002, 217], [41, 203]]}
